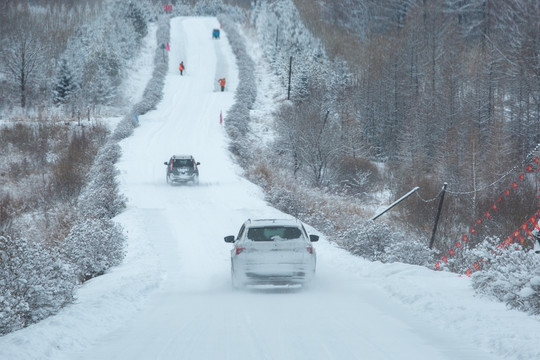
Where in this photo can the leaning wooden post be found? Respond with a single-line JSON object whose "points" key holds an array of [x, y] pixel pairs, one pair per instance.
{"points": [[396, 202], [443, 191]]}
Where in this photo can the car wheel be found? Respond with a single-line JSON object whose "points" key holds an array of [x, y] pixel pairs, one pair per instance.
{"points": [[196, 180]]}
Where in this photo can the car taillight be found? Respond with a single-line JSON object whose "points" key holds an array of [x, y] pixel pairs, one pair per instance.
{"points": [[194, 166], [170, 166], [239, 250], [310, 249]]}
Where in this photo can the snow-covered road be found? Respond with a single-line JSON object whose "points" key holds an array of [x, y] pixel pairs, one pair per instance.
{"points": [[172, 298]]}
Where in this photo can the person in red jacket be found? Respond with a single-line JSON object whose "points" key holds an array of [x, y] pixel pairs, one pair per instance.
{"points": [[222, 83], [181, 67]]}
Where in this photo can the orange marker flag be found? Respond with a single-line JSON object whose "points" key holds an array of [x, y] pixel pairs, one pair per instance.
{"points": [[519, 237], [526, 228], [534, 222]]}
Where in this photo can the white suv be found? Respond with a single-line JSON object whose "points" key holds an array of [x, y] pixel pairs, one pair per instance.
{"points": [[272, 251]]}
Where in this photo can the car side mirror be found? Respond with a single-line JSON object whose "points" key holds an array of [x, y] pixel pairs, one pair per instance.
{"points": [[198, 163], [229, 239], [313, 238], [166, 163]]}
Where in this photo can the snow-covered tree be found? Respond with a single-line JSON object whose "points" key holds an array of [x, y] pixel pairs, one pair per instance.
{"points": [[281, 32], [20, 57], [65, 85], [510, 274], [93, 246], [34, 282], [135, 16]]}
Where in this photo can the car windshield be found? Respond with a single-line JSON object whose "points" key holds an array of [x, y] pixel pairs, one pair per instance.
{"points": [[182, 163], [274, 233]]}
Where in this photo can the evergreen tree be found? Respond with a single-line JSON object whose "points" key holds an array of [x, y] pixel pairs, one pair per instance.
{"points": [[135, 16], [65, 85]]}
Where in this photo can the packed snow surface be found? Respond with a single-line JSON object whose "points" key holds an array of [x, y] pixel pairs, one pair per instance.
{"points": [[172, 297]]}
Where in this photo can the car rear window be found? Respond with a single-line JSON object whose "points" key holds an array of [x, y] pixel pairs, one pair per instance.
{"points": [[182, 163], [274, 233]]}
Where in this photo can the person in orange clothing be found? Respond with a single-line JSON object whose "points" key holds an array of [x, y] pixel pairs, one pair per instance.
{"points": [[181, 67], [222, 83]]}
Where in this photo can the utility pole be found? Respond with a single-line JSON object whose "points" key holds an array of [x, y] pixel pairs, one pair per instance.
{"points": [[290, 71], [443, 191]]}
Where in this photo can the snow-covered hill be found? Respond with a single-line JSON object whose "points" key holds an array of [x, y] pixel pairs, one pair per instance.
{"points": [[172, 299]]}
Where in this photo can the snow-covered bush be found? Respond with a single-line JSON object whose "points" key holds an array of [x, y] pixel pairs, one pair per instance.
{"points": [[35, 282], [510, 275], [238, 118], [377, 241], [246, 91], [285, 199], [93, 246], [125, 127], [100, 198], [237, 121], [154, 90], [410, 250], [369, 239]]}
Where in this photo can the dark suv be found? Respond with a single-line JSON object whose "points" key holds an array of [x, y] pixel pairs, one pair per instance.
{"points": [[182, 169]]}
